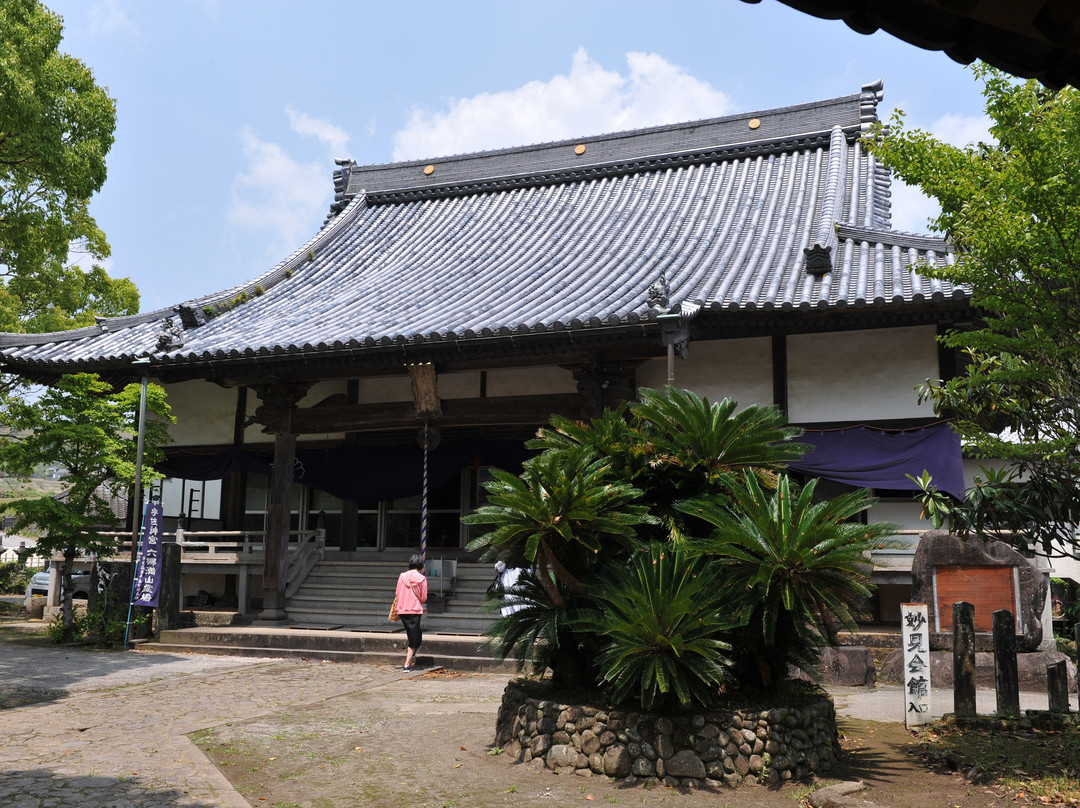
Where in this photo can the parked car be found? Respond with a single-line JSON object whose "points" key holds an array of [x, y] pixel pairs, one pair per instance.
{"points": [[39, 585]]}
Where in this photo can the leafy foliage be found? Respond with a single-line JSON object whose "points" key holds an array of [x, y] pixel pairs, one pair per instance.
{"points": [[605, 517], [659, 620], [792, 569], [56, 127], [557, 516], [674, 444], [538, 632], [80, 425], [1012, 208]]}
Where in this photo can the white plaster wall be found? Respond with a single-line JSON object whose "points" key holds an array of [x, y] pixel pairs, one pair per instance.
{"points": [[532, 381], [906, 514], [384, 389], [735, 368], [204, 413], [459, 385], [860, 375]]}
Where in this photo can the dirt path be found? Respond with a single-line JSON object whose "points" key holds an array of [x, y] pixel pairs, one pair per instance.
{"points": [[425, 742]]}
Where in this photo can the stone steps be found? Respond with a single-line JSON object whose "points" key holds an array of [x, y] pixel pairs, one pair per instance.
{"points": [[457, 651], [356, 593]]}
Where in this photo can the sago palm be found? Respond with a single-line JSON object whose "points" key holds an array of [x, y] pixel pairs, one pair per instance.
{"points": [[659, 622], [538, 633], [558, 515], [792, 569]]}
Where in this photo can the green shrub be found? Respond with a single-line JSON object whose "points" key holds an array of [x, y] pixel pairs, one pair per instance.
{"points": [[13, 577], [659, 623], [793, 570]]}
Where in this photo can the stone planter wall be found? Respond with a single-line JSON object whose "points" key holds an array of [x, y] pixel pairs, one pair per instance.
{"points": [[781, 743]]}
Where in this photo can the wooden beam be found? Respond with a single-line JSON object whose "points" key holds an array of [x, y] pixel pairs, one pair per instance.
{"points": [[425, 390], [500, 411]]}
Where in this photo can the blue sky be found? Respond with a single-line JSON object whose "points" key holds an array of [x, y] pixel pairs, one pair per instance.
{"points": [[231, 112]]}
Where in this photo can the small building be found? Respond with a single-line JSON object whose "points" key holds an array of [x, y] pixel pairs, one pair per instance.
{"points": [[472, 296]]}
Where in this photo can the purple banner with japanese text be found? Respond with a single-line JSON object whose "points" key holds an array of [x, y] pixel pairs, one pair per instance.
{"points": [[148, 572]]}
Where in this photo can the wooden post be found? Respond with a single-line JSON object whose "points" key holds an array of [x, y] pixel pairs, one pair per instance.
{"points": [[276, 545], [1057, 686], [349, 536], [168, 615], [964, 660], [1006, 680], [1076, 639]]}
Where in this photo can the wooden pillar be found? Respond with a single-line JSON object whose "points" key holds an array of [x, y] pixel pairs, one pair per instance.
{"points": [[1006, 679], [1057, 686], [279, 399], [964, 660], [169, 599], [277, 528], [349, 527]]}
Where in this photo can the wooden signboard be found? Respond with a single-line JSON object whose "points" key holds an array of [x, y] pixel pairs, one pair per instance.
{"points": [[916, 634], [986, 588]]}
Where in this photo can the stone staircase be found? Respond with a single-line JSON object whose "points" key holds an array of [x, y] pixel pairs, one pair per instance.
{"points": [[340, 613], [455, 651], [356, 594]]}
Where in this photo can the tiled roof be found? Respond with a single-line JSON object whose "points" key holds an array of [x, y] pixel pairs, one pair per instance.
{"points": [[600, 232], [1035, 39]]}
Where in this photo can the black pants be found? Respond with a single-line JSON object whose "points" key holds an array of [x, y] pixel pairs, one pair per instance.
{"points": [[411, 624]]}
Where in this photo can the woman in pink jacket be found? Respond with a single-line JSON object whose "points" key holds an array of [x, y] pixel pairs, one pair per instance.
{"points": [[411, 596]]}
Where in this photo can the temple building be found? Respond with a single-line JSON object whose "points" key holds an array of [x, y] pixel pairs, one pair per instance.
{"points": [[462, 300]]}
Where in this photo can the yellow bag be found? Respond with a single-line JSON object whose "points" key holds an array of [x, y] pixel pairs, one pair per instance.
{"points": [[393, 610]]}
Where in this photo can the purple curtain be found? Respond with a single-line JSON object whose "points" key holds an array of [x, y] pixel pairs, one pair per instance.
{"points": [[873, 458]]}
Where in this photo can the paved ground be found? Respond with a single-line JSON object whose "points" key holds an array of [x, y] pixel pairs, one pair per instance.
{"points": [[112, 730], [113, 734]]}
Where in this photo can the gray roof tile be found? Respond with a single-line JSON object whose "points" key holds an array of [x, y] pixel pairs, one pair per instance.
{"points": [[536, 239]]}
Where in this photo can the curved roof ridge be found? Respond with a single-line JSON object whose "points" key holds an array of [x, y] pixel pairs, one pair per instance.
{"points": [[919, 241], [626, 151]]}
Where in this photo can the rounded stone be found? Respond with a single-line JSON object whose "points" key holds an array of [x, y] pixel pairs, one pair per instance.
{"points": [[561, 755], [539, 745], [643, 767], [685, 764], [616, 761], [664, 747], [757, 763], [589, 742], [742, 766], [596, 762]]}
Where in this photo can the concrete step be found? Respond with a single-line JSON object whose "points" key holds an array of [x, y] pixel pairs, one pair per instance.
{"points": [[463, 652]]}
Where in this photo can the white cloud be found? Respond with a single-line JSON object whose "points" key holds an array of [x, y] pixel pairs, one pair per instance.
{"points": [[961, 130], [111, 17], [910, 207], [281, 195], [333, 137], [589, 100], [278, 194]]}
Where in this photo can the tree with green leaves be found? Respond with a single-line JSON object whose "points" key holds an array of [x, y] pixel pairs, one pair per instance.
{"points": [[793, 570], [622, 595], [89, 431], [1012, 208], [56, 128]]}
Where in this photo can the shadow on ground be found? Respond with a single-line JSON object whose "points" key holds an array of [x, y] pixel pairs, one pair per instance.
{"points": [[43, 787]]}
